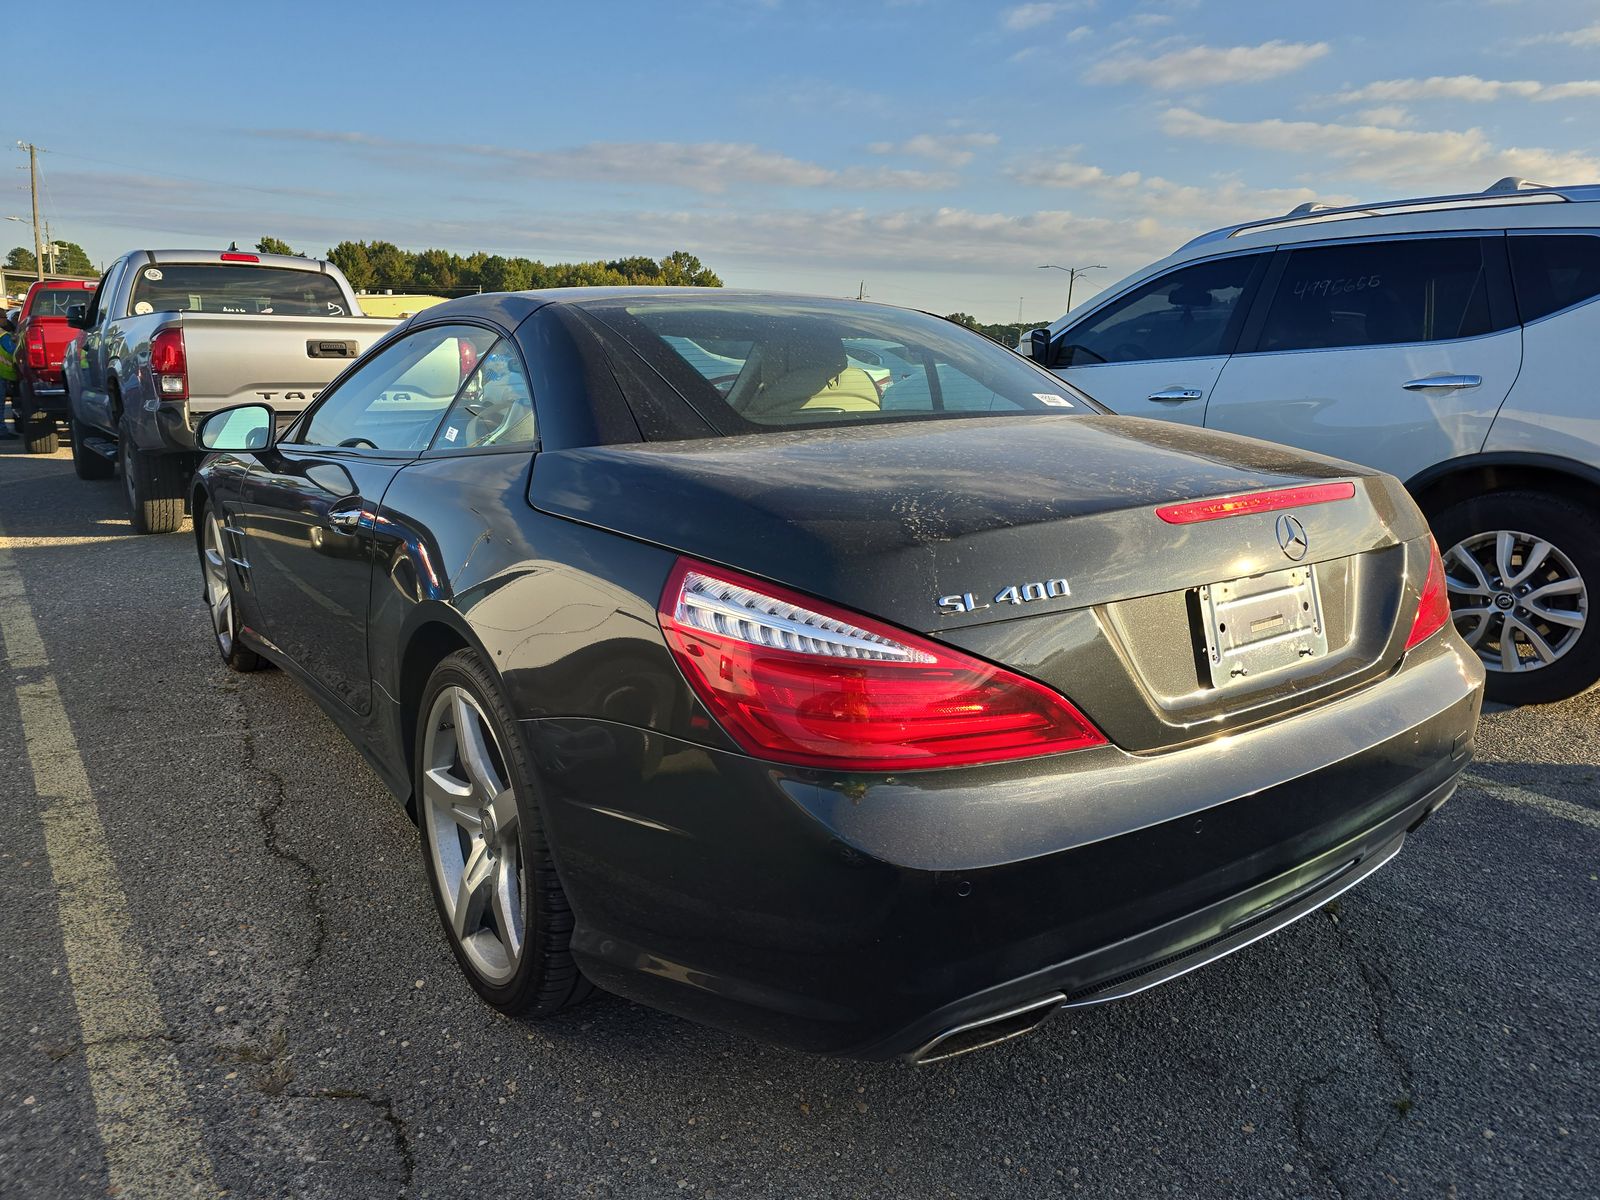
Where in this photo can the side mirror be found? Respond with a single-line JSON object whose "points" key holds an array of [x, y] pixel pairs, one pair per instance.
{"points": [[1039, 347], [242, 427], [78, 316]]}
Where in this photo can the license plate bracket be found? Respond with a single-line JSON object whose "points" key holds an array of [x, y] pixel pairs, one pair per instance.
{"points": [[1261, 624]]}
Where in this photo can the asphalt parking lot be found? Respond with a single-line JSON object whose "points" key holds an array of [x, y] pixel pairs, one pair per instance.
{"points": [[228, 914]]}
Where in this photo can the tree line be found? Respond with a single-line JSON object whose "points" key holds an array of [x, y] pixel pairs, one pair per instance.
{"points": [[1007, 333], [383, 266]]}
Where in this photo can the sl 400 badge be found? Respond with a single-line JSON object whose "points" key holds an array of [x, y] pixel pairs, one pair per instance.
{"points": [[1016, 593]]}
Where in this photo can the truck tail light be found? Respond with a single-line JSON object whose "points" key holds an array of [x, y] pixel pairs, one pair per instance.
{"points": [[235, 256], [169, 365], [797, 681], [1433, 610], [38, 356]]}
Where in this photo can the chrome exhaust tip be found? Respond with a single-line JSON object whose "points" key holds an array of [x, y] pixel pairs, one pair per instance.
{"points": [[987, 1031]]}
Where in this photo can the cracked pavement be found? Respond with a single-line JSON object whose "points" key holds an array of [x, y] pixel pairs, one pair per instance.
{"points": [[1433, 1033]]}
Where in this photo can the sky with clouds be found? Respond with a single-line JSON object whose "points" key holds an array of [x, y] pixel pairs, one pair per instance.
{"points": [[938, 150]]}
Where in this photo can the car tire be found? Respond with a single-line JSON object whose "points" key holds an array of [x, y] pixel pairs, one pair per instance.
{"points": [[37, 429], [221, 599], [1548, 545], [152, 485], [86, 464], [462, 826]]}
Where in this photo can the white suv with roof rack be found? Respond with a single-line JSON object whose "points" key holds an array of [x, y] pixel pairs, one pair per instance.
{"points": [[1453, 341]]}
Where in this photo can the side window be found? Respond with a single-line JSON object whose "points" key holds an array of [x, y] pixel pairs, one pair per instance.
{"points": [[1193, 312], [1554, 271], [394, 400], [1379, 294], [102, 295], [495, 407]]}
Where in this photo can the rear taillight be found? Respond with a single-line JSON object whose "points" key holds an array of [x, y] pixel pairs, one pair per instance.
{"points": [[169, 366], [235, 256], [794, 680], [1433, 610], [38, 356], [1254, 502]]}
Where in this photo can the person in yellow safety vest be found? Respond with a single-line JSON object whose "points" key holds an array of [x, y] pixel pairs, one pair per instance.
{"points": [[8, 370]]}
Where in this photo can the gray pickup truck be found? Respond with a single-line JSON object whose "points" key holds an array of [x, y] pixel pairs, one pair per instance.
{"points": [[172, 335]]}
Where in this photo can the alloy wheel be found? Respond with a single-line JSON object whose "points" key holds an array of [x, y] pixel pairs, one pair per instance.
{"points": [[1519, 602], [219, 593], [472, 827]]}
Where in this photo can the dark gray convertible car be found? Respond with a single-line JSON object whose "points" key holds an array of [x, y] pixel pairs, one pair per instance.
{"points": [[826, 672]]}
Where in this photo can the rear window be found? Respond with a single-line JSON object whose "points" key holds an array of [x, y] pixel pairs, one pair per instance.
{"points": [[235, 288], [1554, 271], [778, 364], [54, 302]]}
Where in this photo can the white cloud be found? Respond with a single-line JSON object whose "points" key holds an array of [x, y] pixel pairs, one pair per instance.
{"points": [[709, 167], [950, 149], [1589, 35], [1206, 66], [1465, 88], [1439, 158], [1029, 16], [1223, 202], [1392, 115]]}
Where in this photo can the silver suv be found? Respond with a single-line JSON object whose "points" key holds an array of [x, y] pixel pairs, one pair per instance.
{"points": [[1452, 341]]}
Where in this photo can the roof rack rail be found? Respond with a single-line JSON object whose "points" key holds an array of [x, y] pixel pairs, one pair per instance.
{"points": [[1510, 190]]}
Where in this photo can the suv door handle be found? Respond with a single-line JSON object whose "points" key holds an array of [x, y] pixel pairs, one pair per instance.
{"points": [[1176, 393], [1443, 383], [344, 518]]}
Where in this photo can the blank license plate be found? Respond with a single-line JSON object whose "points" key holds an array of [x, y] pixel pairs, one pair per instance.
{"points": [[1262, 624]]}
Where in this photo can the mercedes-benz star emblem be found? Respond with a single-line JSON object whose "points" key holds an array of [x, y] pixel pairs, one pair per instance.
{"points": [[1292, 537]]}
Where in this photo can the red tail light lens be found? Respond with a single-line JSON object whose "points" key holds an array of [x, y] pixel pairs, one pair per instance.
{"points": [[235, 256], [169, 365], [1434, 608], [797, 681], [38, 356], [1254, 502]]}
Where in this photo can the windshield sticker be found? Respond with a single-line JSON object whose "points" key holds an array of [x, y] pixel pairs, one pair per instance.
{"points": [[153, 274], [1053, 400], [450, 434], [142, 309]]}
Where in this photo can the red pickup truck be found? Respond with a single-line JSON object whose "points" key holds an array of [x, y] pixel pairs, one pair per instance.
{"points": [[42, 337]]}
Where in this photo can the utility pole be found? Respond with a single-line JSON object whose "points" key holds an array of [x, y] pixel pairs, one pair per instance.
{"points": [[861, 292], [1072, 275], [33, 187]]}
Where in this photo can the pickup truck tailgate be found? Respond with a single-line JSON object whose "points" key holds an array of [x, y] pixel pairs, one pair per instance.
{"points": [[281, 361]]}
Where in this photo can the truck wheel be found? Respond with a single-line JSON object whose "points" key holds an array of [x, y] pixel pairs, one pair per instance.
{"points": [[152, 484], [38, 429], [221, 601], [485, 849], [85, 462], [1519, 566]]}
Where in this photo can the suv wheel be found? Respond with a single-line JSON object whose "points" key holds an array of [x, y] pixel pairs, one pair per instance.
{"points": [[153, 485], [1519, 567], [220, 599], [484, 846]]}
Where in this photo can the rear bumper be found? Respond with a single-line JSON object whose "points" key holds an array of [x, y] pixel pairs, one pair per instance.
{"points": [[868, 915], [45, 396]]}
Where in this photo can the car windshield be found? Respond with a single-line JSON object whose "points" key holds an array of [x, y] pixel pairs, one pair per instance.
{"points": [[792, 363], [235, 288], [54, 302]]}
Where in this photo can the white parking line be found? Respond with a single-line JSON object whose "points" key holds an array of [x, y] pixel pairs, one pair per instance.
{"points": [[1565, 809], [152, 1143]]}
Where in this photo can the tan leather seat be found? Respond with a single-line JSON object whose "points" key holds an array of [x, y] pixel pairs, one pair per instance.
{"points": [[851, 390]]}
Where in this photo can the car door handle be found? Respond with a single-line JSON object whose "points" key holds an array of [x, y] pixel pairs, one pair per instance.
{"points": [[1176, 393], [1443, 383], [344, 519]]}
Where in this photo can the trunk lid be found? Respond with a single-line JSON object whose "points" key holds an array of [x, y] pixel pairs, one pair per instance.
{"points": [[279, 360], [1047, 525]]}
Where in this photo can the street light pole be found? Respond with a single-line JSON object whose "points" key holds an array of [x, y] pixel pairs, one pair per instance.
{"points": [[1072, 275]]}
